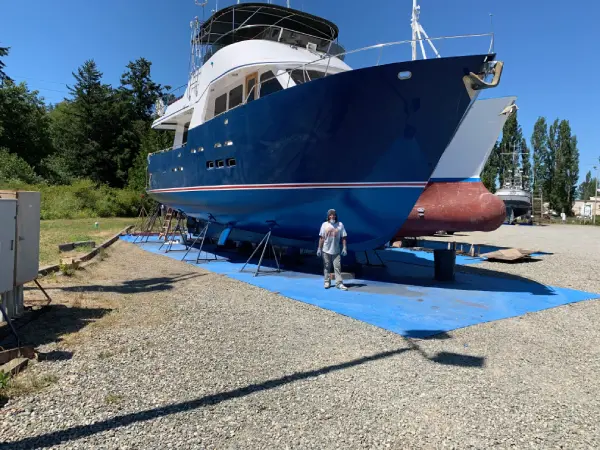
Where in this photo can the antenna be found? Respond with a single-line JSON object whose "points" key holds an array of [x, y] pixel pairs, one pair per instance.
{"points": [[418, 32], [492, 28]]}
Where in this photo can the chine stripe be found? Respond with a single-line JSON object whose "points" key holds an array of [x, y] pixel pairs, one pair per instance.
{"points": [[232, 187], [450, 180]]}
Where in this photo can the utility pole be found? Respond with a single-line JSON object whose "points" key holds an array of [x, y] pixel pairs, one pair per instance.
{"points": [[595, 212]]}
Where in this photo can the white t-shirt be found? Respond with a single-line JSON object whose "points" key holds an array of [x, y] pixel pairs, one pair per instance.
{"points": [[332, 235]]}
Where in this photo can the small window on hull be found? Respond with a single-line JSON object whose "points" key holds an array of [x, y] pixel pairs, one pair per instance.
{"points": [[220, 164], [210, 164], [231, 162]]}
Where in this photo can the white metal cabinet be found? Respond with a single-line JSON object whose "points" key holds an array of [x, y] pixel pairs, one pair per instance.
{"points": [[8, 227], [28, 237]]}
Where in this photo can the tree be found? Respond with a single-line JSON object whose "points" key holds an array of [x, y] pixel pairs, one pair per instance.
{"points": [[91, 127], [586, 188], [3, 77], [566, 166], [152, 141], [539, 146], [24, 123], [139, 89], [509, 156], [489, 174], [15, 169]]}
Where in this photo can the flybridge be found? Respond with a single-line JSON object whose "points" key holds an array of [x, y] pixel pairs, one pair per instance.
{"points": [[261, 21]]}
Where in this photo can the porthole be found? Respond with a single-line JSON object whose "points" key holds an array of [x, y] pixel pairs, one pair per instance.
{"points": [[181, 169], [200, 149], [226, 121], [193, 150], [217, 145], [220, 164], [179, 155], [231, 162], [210, 164], [228, 143], [405, 75]]}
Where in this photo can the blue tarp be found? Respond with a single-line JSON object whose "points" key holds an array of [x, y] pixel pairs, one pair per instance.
{"points": [[402, 297]]}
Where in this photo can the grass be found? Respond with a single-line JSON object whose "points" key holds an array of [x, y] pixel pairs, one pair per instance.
{"points": [[54, 232], [26, 383]]}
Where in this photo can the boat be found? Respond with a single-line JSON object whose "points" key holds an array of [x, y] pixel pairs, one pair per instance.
{"points": [[517, 201], [274, 129], [455, 199]]}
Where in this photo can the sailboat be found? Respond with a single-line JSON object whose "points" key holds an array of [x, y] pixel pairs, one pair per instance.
{"points": [[275, 128]]}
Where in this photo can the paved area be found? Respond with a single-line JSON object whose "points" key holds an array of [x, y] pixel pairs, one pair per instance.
{"points": [[159, 354]]}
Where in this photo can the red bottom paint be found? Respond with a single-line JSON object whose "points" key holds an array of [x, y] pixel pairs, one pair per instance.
{"points": [[454, 206]]}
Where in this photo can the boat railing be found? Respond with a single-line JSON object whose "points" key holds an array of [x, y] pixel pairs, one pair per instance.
{"points": [[378, 48], [270, 32], [325, 60]]}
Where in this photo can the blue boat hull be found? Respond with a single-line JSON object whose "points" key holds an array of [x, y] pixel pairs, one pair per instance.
{"points": [[363, 142]]}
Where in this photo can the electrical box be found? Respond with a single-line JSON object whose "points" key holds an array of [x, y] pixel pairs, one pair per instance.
{"points": [[28, 237], [27, 244], [8, 234]]}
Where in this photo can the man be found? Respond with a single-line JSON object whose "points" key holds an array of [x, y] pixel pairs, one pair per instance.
{"points": [[332, 232]]}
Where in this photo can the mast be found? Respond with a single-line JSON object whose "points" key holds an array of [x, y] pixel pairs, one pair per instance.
{"points": [[417, 34]]}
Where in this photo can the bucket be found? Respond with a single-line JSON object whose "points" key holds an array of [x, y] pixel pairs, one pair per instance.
{"points": [[444, 261]]}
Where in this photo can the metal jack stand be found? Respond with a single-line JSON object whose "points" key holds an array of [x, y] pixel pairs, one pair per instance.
{"points": [[148, 226], [10, 324], [266, 241], [378, 257], [179, 227], [201, 237]]}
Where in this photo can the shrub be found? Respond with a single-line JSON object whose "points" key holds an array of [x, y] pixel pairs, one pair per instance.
{"points": [[83, 199]]}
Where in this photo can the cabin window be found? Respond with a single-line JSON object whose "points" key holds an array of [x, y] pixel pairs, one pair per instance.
{"points": [[236, 96], [231, 162], [220, 163], [185, 134], [210, 164], [220, 104], [251, 87], [269, 84], [304, 76]]}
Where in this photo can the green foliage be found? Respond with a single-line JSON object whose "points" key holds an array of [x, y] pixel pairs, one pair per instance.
{"points": [[83, 199], [139, 90], [541, 156], [68, 268], [509, 156], [3, 76], [588, 187], [4, 379], [24, 123], [556, 164], [491, 169], [151, 142], [13, 169]]}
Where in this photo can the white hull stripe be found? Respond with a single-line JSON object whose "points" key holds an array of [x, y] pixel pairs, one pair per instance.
{"points": [[239, 187]]}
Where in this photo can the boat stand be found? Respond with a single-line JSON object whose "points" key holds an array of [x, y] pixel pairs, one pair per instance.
{"points": [[179, 228], [148, 226], [378, 257], [201, 237], [266, 241]]}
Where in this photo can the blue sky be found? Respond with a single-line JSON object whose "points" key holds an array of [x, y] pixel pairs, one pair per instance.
{"points": [[549, 46]]}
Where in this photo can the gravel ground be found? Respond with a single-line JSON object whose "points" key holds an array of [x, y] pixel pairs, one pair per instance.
{"points": [[191, 359], [575, 259]]}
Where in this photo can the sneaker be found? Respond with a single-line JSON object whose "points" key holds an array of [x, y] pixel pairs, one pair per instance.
{"points": [[342, 287], [327, 284]]}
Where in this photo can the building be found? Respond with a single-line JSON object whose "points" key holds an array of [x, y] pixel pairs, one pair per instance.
{"points": [[585, 208]]}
